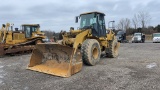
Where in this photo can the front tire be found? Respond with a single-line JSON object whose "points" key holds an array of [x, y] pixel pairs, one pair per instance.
{"points": [[112, 51], [91, 52]]}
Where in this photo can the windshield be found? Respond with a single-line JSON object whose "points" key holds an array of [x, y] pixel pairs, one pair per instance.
{"points": [[31, 28], [156, 35], [28, 30], [87, 20], [120, 33], [137, 34]]}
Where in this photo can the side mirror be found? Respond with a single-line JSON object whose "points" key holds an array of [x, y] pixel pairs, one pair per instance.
{"points": [[38, 26], [3, 25], [76, 21]]}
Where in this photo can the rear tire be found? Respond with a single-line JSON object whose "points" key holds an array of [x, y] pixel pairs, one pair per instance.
{"points": [[90, 52], [112, 51]]}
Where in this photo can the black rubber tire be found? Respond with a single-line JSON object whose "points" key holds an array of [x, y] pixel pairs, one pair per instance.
{"points": [[91, 52], [112, 51]]}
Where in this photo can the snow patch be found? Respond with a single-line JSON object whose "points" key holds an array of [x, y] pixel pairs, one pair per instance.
{"points": [[151, 65]]}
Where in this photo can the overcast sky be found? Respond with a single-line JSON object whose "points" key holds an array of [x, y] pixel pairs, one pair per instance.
{"points": [[60, 14]]}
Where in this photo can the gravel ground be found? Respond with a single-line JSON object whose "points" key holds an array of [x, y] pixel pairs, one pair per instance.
{"points": [[136, 68]]}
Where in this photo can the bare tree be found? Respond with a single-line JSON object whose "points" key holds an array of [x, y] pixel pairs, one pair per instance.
{"points": [[120, 25], [143, 18], [135, 21], [127, 24], [49, 33], [124, 24]]}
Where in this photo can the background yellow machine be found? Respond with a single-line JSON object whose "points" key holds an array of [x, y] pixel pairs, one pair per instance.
{"points": [[78, 46], [18, 40]]}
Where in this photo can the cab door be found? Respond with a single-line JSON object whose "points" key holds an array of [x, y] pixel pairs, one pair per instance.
{"points": [[27, 31], [101, 25]]}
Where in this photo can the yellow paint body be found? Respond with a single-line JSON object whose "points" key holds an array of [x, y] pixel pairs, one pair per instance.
{"points": [[66, 59], [17, 37], [56, 60], [82, 35]]}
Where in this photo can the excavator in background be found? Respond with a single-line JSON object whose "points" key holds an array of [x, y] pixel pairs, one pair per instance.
{"points": [[18, 41], [77, 47]]}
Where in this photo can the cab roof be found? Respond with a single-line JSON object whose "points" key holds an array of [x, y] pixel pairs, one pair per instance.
{"points": [[30, 25], [92, 12]]}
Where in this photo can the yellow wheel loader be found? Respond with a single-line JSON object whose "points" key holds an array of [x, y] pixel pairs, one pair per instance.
{"points": [[78, 46], [19, 40]]}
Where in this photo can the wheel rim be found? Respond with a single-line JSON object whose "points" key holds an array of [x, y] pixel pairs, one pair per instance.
{"points": [[95, 53]]}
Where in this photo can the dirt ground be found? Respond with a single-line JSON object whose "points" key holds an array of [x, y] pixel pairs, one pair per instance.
{"points": [[136, 68]]}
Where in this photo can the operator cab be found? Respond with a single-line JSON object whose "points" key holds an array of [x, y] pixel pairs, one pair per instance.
{"points": [[94, 21], [29, 29]]}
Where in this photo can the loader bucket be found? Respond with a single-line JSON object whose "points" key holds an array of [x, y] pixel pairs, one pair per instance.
{"points": [[55, 59]]}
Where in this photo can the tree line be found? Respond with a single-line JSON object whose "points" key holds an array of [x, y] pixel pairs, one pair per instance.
{"points": [[139, 23], [51, 34]]}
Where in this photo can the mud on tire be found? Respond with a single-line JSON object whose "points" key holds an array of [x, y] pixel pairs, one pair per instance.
{"points": [[112, 51], [90, 52]]}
